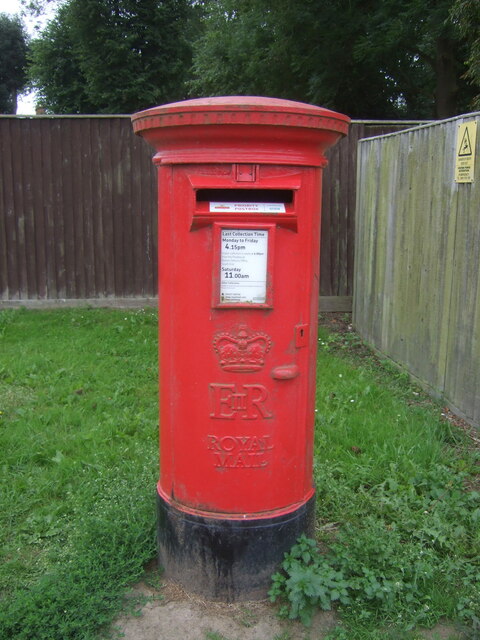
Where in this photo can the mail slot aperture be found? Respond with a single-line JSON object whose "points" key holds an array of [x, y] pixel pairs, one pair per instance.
{"points": [[278, 196]]}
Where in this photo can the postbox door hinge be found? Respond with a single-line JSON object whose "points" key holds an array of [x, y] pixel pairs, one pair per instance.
{"points": [[245, 172]]}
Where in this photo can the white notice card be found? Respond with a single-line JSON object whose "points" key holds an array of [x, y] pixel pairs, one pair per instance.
{"points": [[247, 207], [243, 266]]}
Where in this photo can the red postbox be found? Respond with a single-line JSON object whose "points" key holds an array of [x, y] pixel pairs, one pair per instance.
{"points": [[239, 183]]}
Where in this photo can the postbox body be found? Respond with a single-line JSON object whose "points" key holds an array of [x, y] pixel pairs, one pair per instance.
{"points": [[239, 244]]}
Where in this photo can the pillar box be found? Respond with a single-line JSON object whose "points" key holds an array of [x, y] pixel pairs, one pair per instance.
{"points": [[239, 183]]}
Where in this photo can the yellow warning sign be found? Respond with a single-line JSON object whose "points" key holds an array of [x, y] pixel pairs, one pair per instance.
{"points": [[465, 152]]}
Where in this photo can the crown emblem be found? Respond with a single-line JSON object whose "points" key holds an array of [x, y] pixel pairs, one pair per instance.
{"points": [[242, 352]]}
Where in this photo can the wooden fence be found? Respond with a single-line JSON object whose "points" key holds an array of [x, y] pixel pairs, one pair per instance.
{"points": [[417, 267], [78, 212]]}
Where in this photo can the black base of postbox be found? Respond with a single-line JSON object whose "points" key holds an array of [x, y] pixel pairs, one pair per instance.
{"points": [[225, 559]]}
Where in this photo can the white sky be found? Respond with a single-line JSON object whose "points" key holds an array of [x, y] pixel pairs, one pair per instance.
{"points": [[26, 102]]}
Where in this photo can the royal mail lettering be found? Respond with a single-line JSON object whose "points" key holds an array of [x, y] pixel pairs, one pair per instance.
{"points": [[239, 443], [240, 452]]}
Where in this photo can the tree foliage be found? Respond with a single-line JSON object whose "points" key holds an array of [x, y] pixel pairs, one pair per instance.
{"points": [[112, 56], [368, 58], [13, 61], [466, 16]]}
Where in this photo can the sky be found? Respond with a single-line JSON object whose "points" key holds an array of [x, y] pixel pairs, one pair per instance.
{"points": [[26, 102]]}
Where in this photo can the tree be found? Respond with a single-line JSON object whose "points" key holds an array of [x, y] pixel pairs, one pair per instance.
{"points": [[420, 39], [55, 69], [368, 58], [112, 56], [466, 17], [13, 61]]}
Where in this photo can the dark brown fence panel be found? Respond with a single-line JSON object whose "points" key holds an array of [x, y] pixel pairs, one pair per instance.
{"points": [[78, 210]]}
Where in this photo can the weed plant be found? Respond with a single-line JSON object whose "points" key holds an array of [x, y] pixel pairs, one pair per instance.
{"points": [[398, 517], [78, 433]]}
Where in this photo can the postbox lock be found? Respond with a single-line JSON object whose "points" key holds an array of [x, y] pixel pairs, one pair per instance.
{"points": [[301, 335]]}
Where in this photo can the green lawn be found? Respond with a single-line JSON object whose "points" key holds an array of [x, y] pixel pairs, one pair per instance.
{"points": [[78, 463], [397, 514]]}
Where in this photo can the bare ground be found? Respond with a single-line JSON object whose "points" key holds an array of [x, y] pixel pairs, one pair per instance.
{"points": [[171, 613]]}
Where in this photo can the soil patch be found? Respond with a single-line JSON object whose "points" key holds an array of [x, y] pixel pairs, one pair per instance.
{"points": [[173, 614]]}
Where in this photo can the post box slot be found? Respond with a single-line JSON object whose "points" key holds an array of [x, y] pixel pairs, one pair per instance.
{"points": [[284, 196], [248, 205]]}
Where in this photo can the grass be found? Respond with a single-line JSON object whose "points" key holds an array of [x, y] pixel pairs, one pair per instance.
{"points": [[397, 514], [78, 432]]}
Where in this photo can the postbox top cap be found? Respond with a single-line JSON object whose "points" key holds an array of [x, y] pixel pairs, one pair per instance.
{"points": [[242, 103], [240, 129], [206, 107]]}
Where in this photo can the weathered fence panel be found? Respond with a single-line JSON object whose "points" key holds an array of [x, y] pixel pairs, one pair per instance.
{"points": [[338, 208], [78, 211], [417, 275]]}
